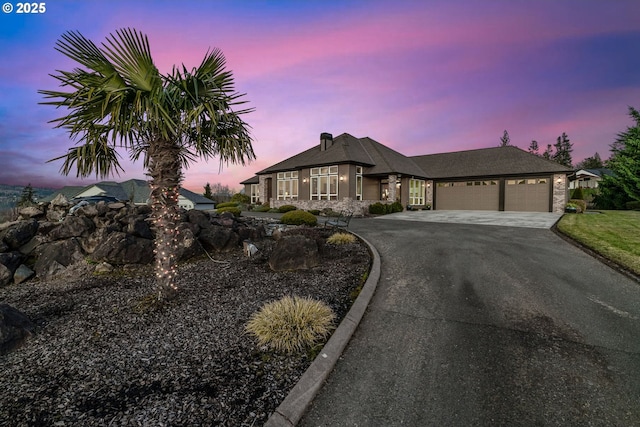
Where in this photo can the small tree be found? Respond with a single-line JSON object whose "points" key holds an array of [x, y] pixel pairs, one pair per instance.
{"points": [[594, 162], [207, 192], [505, 140], [548, 152], [26, 199], [563, 151], [533, 147]]}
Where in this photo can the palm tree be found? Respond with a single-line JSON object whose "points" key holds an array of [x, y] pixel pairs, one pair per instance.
{"points": [[120, 99]]}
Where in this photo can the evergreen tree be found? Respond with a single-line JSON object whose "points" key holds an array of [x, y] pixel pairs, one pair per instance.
{"points": [[207, 191], [563, 151], [533, 147], [548, 152], [505, 140], [624, 185], [26, 199], [594, 162]]}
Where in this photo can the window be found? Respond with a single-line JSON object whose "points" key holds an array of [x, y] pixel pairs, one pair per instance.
{"points": [[288, 185], [255, 193], [358, 182], [324, 183], [416, 191]]}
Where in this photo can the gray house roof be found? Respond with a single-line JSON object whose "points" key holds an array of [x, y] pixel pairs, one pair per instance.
{"points": [[253, 180], [493, 161], [137, 189], [373, 156]]}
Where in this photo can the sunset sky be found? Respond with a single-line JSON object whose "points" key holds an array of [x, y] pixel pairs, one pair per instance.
{"points": [[421, 77]]}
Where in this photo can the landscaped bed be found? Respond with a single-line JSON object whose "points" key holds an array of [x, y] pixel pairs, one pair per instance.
{"points": [[613, 234], [103, 355]]}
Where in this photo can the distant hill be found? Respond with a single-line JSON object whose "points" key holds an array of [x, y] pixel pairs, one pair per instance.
{"points": [[10, 194]]}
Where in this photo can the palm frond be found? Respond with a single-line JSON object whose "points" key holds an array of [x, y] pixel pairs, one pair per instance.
{"points": [[92, 157]]}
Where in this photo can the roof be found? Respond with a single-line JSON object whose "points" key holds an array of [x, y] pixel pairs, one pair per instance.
{"points": [[253, 180], [495, 161], [69, 192], [375, 157], [599, 172], [137, 189], [195, 197]]}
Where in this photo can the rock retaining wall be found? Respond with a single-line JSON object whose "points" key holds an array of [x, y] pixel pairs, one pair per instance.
{"points": [[47, 240]]}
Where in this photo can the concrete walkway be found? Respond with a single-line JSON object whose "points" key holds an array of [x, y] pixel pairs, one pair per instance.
{"points": [[544, 220]]}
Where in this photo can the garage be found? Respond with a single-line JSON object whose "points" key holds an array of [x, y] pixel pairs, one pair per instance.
{"points": [[527, 194], [468, 195]]}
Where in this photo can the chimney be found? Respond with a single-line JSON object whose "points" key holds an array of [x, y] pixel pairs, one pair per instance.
{"points": [[326, 141]]}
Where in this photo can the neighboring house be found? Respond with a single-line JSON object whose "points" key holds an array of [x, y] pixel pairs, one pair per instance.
{"points": [[136, 191], [351, 173], [588, 178]]}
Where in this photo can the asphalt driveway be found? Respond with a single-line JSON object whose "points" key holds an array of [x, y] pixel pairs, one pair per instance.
{"points": [[486, 325]]}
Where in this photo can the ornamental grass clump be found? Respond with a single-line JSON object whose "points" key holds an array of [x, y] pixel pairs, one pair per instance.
{"points": [[291, 324], [341, 238]]}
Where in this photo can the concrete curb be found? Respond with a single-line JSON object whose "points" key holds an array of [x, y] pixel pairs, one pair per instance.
{"points": [[302, 394]]}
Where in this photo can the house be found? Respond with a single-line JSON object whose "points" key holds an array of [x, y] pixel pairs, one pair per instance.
{"points": [[587, 178], [351, 173], [136, 191]]}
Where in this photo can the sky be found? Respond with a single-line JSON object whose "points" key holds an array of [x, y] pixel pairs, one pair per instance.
{"points": [[421, 77]]}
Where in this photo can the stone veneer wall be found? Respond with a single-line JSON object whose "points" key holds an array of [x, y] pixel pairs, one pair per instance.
{"points": [[560, 193], [358, 207]]}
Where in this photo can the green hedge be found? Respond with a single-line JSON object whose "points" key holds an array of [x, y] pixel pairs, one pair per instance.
{"points": [[581, 204], [633, 206], [383, 209], [298, 217], [241, 198], [227, 205], [286, 208], [234, 210]]}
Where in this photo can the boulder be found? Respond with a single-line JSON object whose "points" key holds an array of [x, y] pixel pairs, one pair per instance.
{"points": [[53, 257], [188, 244], [22, 274], [91, 242], [30, 212], [20, 233], [122, 248], [200, 218], [59, 201], [103, 268], [11, 260], [15, 328], [294, 253], [72, 226], [219, 239], [32, 244], [56, 214], [139, 227], [3, 246], [90, 211], [5, 275]]}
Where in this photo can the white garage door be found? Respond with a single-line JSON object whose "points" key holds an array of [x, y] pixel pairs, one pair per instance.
{"points": [[527, 194], [468, 195]]}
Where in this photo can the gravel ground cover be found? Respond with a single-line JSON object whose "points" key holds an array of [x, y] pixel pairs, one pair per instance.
{"points": [[103, 355]]}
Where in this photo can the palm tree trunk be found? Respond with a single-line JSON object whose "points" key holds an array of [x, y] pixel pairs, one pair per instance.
{"points": [[165, 170]]}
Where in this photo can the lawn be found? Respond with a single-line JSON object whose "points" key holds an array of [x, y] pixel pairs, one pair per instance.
{"points": [[613, 234]]}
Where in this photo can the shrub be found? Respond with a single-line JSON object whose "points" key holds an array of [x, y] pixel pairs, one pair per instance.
{"points": [[395, 207], [577, 194], [580, 204], [377, 208], [234, 210], [341, 238], [261, 208], [241, 198], [286, 208], [291, 324], [634, 205], [227, 205], [298, 218], [314, 211]]}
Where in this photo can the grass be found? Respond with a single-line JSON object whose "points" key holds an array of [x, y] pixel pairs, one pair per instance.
{"points": [[291, 324], [613, 234]]}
